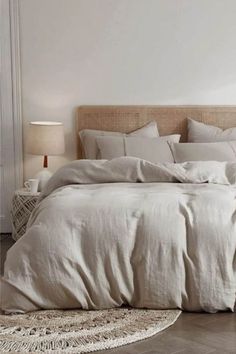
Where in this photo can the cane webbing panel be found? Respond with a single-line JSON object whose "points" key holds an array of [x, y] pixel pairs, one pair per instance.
{"points": [[170, 119]]}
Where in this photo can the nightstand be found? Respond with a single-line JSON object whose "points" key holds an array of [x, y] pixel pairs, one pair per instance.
{"points": [[23, 204]]}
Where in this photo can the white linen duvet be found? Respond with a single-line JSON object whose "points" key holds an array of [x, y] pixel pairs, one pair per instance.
{"points": [[98, 238]]}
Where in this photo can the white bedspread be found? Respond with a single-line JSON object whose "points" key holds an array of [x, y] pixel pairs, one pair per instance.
{"points": [[95, 244]]}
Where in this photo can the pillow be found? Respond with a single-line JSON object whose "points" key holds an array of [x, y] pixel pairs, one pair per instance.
{"points": [[221, 151], [203, 133], [88, 137], [151, 149]]}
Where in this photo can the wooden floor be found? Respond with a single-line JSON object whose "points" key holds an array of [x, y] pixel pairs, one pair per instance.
{"points": [[191, 334]]}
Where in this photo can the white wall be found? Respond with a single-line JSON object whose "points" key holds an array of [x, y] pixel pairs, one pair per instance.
{"points": [[78, 52]]}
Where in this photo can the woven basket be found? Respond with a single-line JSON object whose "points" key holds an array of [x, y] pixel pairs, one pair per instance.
{"points": [[23, 204]]}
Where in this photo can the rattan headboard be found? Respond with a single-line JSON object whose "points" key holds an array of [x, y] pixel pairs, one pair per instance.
{"points": [[170, 119]]}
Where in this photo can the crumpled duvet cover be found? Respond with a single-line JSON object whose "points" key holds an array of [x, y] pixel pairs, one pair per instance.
{"points": [[126, 231]]}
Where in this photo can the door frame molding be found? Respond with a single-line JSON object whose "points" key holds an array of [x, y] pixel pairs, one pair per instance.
{"points": [[16, 91], [10, 105]]}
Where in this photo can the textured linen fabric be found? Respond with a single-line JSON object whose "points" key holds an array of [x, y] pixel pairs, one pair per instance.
{"points": [[98, 239], [204, 133], [150, 149], [221, 151], [88, 138]]}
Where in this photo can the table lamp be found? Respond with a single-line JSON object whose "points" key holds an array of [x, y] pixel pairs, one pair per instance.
{"points": [[45, 138]]}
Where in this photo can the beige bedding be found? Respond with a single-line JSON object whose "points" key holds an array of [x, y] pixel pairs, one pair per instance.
{"points": [[100, 239]]}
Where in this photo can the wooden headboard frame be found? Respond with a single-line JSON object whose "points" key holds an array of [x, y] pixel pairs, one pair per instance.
{"points": [[170, 119]]}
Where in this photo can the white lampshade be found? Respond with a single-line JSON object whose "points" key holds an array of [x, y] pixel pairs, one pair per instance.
{"points": [[45, 138]]}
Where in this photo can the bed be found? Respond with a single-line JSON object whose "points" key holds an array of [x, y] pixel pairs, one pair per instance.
{"points": [[129, 231]]}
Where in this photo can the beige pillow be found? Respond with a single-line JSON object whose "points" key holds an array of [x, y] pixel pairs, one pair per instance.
{"points": [[150, 149], [203, 133], [220, 151], [88, 137]]}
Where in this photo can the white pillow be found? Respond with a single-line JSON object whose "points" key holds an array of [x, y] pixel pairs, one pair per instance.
{"points": [[88, 138], [220, 151], [150, 149], [203, 133]]}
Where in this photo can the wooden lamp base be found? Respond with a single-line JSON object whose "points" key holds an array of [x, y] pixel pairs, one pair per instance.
{"points": [[44, 175]]}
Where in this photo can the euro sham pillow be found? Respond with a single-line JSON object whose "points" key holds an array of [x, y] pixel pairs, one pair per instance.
{"points": [[220, 151], [151, 149], [203, 133], [88, 138]]}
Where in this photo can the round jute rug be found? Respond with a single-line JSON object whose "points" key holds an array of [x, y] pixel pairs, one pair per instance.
{"points": [[79, 331]]}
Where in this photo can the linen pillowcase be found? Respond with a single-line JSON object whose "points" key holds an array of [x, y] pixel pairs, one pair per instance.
{"points": [[88, 138], [151, 149], [220, 151], [203, 133]]}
